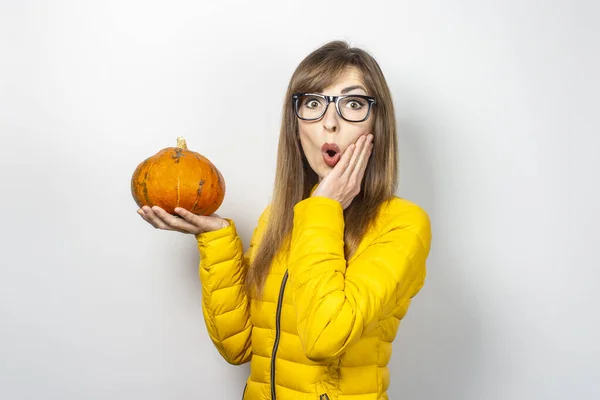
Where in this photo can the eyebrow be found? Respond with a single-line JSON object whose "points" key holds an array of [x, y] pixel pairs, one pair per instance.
{"points": [[351, 88]]}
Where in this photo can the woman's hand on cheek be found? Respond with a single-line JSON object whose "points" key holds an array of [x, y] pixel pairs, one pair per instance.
{"points": [[344, 180]]}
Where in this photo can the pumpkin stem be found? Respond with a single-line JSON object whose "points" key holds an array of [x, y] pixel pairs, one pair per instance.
{"points": [[181, 143]]}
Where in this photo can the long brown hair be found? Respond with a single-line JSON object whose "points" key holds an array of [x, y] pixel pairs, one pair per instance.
{"points": [[317, 71]]}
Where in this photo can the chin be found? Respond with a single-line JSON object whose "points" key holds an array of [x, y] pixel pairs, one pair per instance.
{"points": [[323, 171], [320, 168]]}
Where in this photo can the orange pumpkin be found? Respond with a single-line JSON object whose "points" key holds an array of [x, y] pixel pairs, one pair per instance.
{"points": [[178, 177]]}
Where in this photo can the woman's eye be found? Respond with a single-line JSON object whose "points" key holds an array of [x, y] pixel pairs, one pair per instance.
{"points": [[354, 104], [312, 104]]}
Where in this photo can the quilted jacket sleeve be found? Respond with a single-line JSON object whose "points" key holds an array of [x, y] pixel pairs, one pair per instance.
{"points": [[337, 302], [225, 306]]}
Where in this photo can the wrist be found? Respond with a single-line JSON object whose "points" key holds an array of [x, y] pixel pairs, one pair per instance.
{"points": [[216, 230]]}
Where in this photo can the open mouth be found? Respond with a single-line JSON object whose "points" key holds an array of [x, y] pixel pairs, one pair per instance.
{"points": [[331, 154]]}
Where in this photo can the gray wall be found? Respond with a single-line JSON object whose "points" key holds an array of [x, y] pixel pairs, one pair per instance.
{"points": [[498, 115]]}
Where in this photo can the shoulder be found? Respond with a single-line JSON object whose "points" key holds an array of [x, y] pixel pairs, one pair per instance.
{"points": [[401, 211], [398, 214]]}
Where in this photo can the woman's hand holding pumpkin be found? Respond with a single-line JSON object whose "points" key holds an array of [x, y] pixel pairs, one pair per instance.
{"points": [[186, 222]]}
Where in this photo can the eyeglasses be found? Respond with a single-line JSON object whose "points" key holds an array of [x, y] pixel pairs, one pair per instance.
{"points": [[352, 107]]}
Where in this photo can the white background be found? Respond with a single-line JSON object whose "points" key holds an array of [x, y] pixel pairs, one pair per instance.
{"points": [[497, 106]]}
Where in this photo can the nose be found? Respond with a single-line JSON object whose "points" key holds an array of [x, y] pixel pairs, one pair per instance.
{"points": [[330, 119]]}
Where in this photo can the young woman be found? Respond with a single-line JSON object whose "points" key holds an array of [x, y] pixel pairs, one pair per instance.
{"points": [[316, 301]]}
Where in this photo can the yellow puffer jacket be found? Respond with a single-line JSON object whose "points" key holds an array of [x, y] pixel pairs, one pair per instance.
{"points": [[325, 326]]}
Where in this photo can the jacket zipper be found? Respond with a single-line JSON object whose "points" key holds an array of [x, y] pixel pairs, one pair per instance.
{"points": [[277, 334], [324, 397]]}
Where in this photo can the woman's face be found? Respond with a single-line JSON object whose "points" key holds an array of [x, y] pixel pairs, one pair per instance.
{"points": [[332, 134]]}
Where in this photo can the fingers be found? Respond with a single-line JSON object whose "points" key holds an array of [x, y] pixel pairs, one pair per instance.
{"points": [[361, 164], [190, 219], [362, 167], [202, 222], [176, 223], [160, 219], [150, 217], [344, 162], [360, 157]]}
